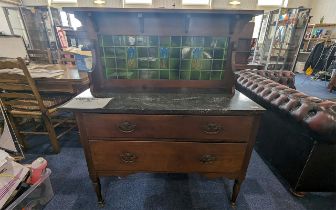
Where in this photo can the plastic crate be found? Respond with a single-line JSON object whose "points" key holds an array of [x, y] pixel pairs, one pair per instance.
{"points": [[37, 196]]}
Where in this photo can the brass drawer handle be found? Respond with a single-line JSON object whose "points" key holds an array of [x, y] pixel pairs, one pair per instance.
{"points": [[208, 159], [212, 128], [127, 127], [128, 157]]}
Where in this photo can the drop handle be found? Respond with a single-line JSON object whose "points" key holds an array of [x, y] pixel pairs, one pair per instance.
{"points": [[127, 127], [128, 157], [208, 159], [212, 128]]}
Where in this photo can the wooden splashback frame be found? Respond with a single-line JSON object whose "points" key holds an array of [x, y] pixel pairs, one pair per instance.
{"points": [[165, 22]]}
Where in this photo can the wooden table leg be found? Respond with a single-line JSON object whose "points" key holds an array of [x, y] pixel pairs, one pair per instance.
{"points": [[97, 186], [235, 191]]}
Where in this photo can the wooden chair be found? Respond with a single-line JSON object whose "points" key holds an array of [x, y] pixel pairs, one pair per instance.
{"points": [[40, 56], [66, 58], [21, 99]]}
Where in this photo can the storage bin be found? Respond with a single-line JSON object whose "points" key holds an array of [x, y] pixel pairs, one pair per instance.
{"points": [[37, 196]]}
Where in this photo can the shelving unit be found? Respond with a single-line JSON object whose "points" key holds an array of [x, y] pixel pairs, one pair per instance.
{"points": [[317, 33], [280, 37]]}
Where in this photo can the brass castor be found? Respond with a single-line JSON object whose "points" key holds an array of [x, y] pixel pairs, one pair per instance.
{"points": [[297, 194], [101, 203]]}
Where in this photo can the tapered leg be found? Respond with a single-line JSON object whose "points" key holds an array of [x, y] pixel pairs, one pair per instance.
{"points": [[97, 186], [235, 191]]}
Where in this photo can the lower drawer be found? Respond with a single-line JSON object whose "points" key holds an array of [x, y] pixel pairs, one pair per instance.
{"points": [[183, 157]]}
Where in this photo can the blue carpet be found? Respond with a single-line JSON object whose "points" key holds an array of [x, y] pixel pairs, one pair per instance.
{"points": [[315, 88], [261, 190]]}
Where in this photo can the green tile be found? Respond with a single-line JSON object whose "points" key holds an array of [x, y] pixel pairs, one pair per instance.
{"points": [[164, 52], [164, 74], [142, 52], [149, 74], [216, 75], [121, 63], [174, 64], [154, 57], [197, 53], [206, 64], [112, 74], [142, 40], [142, 64], [154, 41], [176, 41], [207, 41], [185, 75], [174, 75], [154, 64], [122, 73], [132, 74], [218, 53], [130, 40], [175, 52], [110, 63], [153, 52], [109, 52], [208, 53], [219, 42], [197, 41], [196, 65], [131, 53], [107, 41], [195, 75], [217, 65], [205, 75], [186, 41], [164, 41], [132, 63], [120, 52], [109, 72], [185, 64], [119, 40], [164, 64], [186, 52]]}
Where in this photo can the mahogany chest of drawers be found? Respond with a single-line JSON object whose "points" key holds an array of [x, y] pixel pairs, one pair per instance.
{"points": [[210, 134]]}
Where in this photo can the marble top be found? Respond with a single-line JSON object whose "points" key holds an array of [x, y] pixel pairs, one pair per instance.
{"points": [[165, 103]]}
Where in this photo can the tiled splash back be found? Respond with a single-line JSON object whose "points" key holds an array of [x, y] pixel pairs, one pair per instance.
{"points": [[168, 58]]}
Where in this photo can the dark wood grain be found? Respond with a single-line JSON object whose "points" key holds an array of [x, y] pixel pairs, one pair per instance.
{"points": [[170, 126], [182, 157]]}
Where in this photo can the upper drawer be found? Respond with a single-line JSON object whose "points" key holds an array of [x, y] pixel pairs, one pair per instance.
{"points": [[235, 128]]}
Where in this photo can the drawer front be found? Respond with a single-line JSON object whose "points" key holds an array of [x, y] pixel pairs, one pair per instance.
{"points": [[183, 157], [235, 128]]}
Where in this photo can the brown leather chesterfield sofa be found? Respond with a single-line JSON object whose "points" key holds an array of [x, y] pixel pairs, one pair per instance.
{"points": [[297, 135]]}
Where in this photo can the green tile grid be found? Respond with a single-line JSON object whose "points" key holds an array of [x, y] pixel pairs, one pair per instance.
{"points": [[167, 58]]}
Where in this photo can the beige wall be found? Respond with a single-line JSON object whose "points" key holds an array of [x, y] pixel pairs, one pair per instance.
{"points": [[326, 8]]}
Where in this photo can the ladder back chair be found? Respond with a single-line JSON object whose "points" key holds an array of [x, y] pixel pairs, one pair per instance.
{"points": [[20, 98], [40, 56], [66, 58]]}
